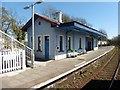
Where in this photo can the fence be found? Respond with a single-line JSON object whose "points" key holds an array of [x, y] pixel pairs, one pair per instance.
{"points": [[12, 60], [29, 56], [13, 54]]}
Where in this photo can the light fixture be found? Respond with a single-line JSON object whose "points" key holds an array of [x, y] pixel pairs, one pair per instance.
{"points": [[26, 7], [39, 1]]}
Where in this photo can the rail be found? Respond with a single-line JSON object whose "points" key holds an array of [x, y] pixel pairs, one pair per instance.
{"points": [[64, 75], [114, 75], [29, 56], [14, 55]]}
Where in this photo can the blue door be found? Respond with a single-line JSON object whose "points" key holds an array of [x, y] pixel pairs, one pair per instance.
{"points": [[46, 47]]}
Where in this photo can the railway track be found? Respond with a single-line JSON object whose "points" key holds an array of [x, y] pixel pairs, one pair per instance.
{"points": [[101, 77], [107, 76], [114, 78], [100, 74]]}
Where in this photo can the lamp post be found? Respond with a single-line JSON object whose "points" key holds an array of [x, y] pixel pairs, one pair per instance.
{"points": [[27, 7]]}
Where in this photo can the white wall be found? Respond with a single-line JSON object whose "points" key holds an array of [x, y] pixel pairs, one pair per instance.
{"points": [[95, 44], [44, 29], [75, 42]]}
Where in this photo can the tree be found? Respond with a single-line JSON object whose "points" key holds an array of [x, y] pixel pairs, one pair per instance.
{"points": [[16, 26], [81, 20], [103, 31], [11, 23], [66, 18], [5, 20], [116, 41], [49, 12], [88, 24]]}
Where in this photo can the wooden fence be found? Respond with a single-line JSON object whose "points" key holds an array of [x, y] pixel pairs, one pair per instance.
{"points": [[13, 54], [12, 60]]}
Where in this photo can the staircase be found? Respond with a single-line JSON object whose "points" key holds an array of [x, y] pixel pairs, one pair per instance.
{"points": [[13, 54]]}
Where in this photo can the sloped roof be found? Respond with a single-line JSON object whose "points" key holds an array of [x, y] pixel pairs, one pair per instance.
{"points": [[29, 23], [77, 26], [71, 25]]}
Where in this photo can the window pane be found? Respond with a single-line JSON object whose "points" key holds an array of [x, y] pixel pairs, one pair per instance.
{"points": [[31, 42], [61, 43], [96, 43], [39, 23], [39, 43], [69, 43], [80, 43]]}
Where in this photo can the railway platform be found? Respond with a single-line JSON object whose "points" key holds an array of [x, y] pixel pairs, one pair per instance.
{"points": [[42, 75]]}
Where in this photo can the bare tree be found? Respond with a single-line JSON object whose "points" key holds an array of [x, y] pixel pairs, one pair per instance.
{"points": [[49, 12], [103, 37], [103, 31], [88, 24], [66, 18]]}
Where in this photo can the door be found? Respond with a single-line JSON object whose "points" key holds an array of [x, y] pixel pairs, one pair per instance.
{"points": [[89, 45], [46, 47], [69, 43], [92, 43]]}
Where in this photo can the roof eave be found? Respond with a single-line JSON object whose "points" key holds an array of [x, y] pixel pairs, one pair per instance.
{"points": [[26, 26]]}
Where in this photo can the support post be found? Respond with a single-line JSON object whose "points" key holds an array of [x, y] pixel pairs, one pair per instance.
{"points": [[0, 63], [23, 60], [33, 35]]}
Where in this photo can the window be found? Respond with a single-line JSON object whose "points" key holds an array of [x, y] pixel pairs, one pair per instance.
{"points": [[96, 43], [80, 43], [69, 43], [61, 43], [39, 23], [39, 43], [31, 41]]}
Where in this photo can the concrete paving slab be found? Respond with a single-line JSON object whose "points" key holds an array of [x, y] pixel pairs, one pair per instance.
{"points": [[41, 74]]}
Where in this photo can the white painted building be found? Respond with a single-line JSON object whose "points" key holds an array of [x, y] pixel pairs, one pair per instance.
{"points": [[54, 39], [102, 43]]}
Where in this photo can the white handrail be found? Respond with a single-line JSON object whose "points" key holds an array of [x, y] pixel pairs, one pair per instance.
{"points": [[15, 40], [25, 51], [12, 38]]}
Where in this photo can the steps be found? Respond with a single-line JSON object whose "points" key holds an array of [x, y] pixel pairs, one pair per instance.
{"points": [[13, 54]]}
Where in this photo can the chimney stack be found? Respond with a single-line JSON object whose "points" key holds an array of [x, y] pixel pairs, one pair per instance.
{"points": [[59, 16]]}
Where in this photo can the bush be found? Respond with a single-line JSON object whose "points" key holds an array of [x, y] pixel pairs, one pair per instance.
{"points": [[72, 50]]}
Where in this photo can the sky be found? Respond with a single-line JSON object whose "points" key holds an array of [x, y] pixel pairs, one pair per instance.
{"points": [[118, 18], [102, 15]]}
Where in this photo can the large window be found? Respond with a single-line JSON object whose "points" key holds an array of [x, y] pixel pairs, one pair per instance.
{"points": [[61, 43], [69, 43], [31, 42], [96, 42], [80, 43], [39, 43]]}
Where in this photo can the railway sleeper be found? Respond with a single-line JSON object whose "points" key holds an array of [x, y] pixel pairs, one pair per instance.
{"points": [[84, 69]]}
